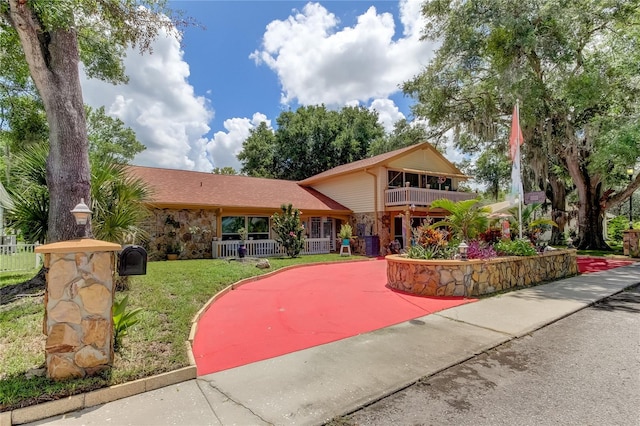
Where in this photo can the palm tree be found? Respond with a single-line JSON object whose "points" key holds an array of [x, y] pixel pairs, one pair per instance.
{"points": [[117, 199], [466, 218], [531, 226], [28, 188], [117, 203]]}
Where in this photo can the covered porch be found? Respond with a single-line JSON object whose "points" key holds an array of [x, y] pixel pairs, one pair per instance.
{"points": [[266, 248]]}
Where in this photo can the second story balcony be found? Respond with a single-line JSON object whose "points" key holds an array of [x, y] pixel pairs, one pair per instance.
{"points": [[421, 197]]}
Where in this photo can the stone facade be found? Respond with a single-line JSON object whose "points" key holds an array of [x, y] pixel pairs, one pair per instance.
{"points": [[366, 223], [477, 277], [78, 307], [631, 242], [192, 230]]}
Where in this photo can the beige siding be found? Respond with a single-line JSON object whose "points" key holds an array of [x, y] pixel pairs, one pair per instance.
{"points": [[354, 191], [422, 160]]}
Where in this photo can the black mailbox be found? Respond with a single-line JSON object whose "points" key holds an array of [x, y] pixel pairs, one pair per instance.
{"points": [[132, 261]]}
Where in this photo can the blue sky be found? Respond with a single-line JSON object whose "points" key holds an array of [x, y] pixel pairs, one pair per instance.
{"points": [[193, 102]]}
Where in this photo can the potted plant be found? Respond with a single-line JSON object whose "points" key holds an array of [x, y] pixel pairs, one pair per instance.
{"points": [[173, 250], [345, 234], [173, 247], [242, 250]]}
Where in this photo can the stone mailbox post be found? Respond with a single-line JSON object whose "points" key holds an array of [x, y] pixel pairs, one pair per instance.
{"points": [[631, 242], [78, 307]]}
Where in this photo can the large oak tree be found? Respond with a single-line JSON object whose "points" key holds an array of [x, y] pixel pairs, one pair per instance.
{"points": [[574, 66], [52, 37]]}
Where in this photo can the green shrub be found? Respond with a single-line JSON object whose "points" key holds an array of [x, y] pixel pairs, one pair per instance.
{"points": [[519, 247], [289, 230], [616, 227]]}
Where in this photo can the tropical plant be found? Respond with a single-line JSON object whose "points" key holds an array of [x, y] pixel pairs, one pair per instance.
{"points": [[424, 235], [466, 218], [480, 250], [244, 234], [123, 319], [117, 202], [289, 230], [417, 251], [518, 247], [117, 199], [28, 189], [346, 232], [491, 235], [531, 227]]}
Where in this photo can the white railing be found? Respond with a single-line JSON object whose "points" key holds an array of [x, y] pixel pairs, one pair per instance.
{"points": [[266, 248], [421, 196], [19, 257]]}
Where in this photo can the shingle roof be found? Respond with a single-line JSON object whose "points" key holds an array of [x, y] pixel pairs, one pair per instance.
{"points": [[371, 162], [176, 188]]}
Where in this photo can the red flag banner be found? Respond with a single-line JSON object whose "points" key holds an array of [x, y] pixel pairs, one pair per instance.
{"points": [[516, 138]]}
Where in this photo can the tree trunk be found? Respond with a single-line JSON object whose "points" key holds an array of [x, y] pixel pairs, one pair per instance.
{"points": [[558, 209], [590, 219], [590, 209], [53, 59]]}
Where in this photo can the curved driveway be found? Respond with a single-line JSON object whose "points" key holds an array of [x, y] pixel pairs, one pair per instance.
{"points": [[300, 308]]}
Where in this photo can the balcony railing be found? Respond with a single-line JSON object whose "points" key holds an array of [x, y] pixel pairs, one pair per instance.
{"points": [[421, 197], [267, 248]]}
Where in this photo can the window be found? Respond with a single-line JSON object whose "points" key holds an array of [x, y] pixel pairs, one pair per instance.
{"points": [[413, 179], [256, 226], [394, 179]]}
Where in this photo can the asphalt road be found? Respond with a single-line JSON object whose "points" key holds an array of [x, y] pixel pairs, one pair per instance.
{"points": [[581, 370]]}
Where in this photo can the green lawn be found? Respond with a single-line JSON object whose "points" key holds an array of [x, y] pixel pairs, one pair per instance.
{"points": [[170, 295]]}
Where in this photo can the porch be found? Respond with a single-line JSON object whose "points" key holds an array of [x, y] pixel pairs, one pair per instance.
{"points": [[267, 248], [421, 197]]}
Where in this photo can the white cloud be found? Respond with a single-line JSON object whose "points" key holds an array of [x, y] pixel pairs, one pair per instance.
{"points": [[318, 62], [388, 113], [224, 146], [160, 105]]}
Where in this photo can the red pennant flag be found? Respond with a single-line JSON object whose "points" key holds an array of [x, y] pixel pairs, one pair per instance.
{"points": [[516, 139]]}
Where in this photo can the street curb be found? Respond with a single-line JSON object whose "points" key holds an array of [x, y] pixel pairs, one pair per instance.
{"points": [[97, 397]]}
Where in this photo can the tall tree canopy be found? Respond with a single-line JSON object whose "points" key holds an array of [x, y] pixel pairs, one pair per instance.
{"points": [[47, 40], [308, 141], [574, 66]]}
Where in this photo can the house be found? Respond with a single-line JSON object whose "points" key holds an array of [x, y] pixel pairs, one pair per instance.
{"points": [[378, 196]]}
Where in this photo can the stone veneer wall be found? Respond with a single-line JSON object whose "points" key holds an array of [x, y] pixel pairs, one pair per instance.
{"points": [[631, 242], [193, 229], [367, 221], [78, 318], [477, 277]]}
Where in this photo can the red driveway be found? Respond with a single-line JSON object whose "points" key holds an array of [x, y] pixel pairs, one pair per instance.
{"points": [[300, 308]]}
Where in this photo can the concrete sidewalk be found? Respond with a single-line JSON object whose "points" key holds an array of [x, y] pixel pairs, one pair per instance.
{"points": [[315, 385]]}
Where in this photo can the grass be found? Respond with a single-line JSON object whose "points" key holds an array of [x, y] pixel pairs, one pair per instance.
{"points": [[170, 295], [8, 278]]}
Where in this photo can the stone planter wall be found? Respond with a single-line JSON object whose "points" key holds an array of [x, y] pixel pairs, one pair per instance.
{"points": [[78, 301], [477, 277]]}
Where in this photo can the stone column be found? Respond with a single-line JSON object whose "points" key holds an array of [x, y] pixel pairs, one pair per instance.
{"points": [[631, 242], [78, 300]]}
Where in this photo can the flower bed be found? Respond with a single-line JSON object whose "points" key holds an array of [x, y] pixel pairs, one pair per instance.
{"points": [[477, 277]]}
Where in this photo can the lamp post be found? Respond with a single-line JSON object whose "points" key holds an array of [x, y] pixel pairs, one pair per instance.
{"points": [[630, 174], [82, 213], [463, 249]]}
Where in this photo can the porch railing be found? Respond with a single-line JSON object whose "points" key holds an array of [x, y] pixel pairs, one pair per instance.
{"points": [[19, 257], [266, 248], [421, 197]]}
